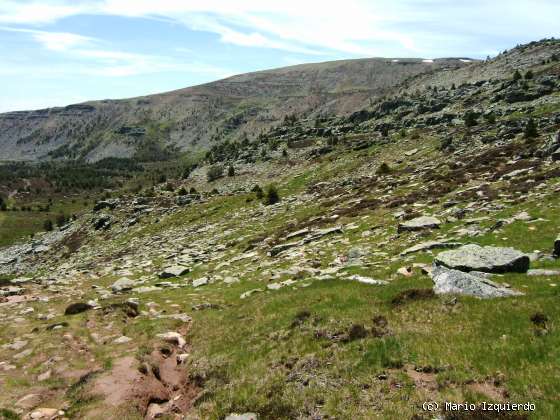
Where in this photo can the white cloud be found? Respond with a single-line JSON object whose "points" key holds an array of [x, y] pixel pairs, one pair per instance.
{"points": [[356, 27]]}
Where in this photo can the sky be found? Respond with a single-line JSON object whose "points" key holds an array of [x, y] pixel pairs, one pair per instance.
{"points": [[58, 52]]}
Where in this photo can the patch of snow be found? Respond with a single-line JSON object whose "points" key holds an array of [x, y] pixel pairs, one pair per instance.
{"points": [[427, 61]]}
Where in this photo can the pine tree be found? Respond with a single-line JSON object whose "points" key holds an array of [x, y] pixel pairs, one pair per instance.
{"points": [[516, 76]]}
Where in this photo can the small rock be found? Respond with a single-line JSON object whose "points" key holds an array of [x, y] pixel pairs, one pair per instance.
{"points": [[122, 340], [123, 284], [173, 338], [200, 282]]}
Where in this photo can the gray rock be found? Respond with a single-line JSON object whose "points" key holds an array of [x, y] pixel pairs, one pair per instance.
{"points": [[488, 259], [419, 223], [424, 246], [448, 281], [123, 284], [173, 271]]}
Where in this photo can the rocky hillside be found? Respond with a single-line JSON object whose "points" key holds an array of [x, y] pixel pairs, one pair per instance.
{"points": [[357, 266], [153, 127]]}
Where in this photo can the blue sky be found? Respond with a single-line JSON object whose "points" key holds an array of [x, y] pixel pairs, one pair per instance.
{"points": [[57, 52]]}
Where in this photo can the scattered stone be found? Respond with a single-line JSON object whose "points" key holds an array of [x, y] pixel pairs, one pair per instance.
{"points": [[122, 340], [488, 259], [449, 281], [367, 280], [203, 281], [45, 413], [123, 284], [249, 293], [173, 338], [419, 223], [405, 271], [543, 272], [245, 416], [173, 271]]}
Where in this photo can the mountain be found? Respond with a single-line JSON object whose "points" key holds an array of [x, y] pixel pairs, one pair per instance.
{"points": [[193, 118], [391, 261]]}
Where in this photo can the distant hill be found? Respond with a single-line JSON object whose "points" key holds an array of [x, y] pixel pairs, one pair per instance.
{"points": [[155, 127]]}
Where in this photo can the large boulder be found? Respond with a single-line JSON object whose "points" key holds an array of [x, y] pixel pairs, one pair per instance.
{"points": [[419, 223], [448, 281], [488, 259]]}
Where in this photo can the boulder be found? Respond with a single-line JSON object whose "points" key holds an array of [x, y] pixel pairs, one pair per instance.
{"points": [[448, 281], [488, 259], [419, 223], [173, 271]]}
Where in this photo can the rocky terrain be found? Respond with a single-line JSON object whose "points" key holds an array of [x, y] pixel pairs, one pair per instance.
{"points": [[411, 255]]}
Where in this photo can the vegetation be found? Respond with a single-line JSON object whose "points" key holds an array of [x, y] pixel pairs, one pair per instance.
{"points": [[271, 195], [214, 172]]}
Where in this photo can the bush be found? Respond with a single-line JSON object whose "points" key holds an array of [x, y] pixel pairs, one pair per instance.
{"points": [[48, 225], [214, 172], [516, 76], [271, 196], [530, 129], [529, 75], [470, 119], [182, 191], [60, 220], [231, 171], [383, 169], [490, 117], [258, 191]]}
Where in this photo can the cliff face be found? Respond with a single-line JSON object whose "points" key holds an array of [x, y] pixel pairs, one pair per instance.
{"points": [[192, 118]]}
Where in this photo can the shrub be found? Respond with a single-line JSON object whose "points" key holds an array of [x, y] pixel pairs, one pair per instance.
{"points": [[48, 225], [258, 191], [383, 169], [530, 129], [516, 76], [529, 75], [271, 196], [60, 220], [490, 117], [214, 172], [231, 171], [470, 119], [182, 191]]}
